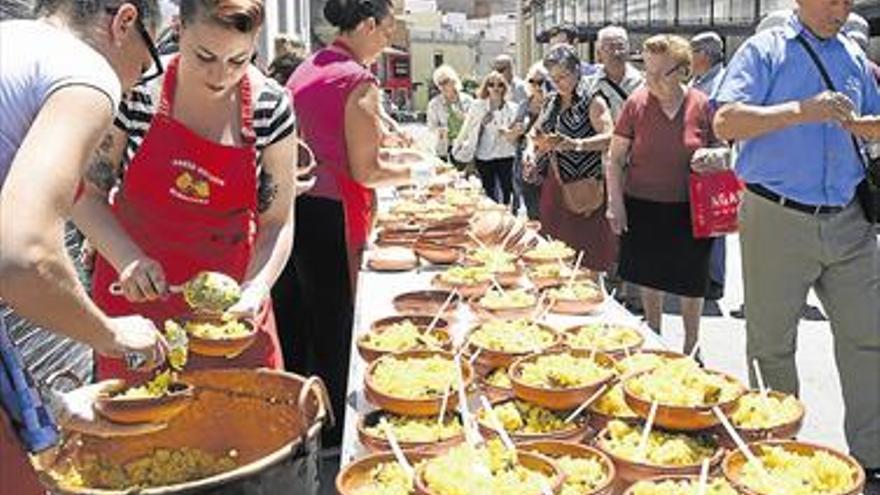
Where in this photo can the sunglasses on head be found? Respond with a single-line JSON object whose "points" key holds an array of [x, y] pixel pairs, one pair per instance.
{"points": [[156, 70]]}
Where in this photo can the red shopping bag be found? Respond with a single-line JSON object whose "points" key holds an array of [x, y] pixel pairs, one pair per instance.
{"points": [[715, 198]]}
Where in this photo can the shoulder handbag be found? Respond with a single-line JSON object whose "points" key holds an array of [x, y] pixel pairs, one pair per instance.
{"points": [[582, 196], [464, 148], [868, 191]]}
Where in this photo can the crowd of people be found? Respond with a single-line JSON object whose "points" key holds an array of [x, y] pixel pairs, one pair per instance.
{"points": [[181, 156]]}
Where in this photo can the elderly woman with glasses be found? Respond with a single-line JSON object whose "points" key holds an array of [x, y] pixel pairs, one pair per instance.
{"points": [[661, 128], [198, 175], [447, 110], [570, 138], [525, 167], [489, 123]]}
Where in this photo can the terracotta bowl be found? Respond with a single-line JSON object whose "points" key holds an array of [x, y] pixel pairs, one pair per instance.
{"points": [[629, 471], [146, 410], [530, 460], [680, 417], [392, 259], [555, 449], [531, 259], [491, 358], [466, 290], [735, 460], [425, 302], [228, 348], [414, 407], [617, 352], [375, 443], [786, 431], [557, 399], [509, 313], [440, 331], [660, 352], [399, 237], [438, 253], [542, 282], [492, 392], [578, 433], [660, 479], [356, 476], [576, 306]]}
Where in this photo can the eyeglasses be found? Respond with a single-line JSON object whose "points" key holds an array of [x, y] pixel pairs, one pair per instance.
{"points": [[668, 73], [494, 85], [536, 82], [156, 70]]}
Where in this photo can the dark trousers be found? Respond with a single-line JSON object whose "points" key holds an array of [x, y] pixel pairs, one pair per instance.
{"points": [[531, 195], [313, 302], [494, 174]]}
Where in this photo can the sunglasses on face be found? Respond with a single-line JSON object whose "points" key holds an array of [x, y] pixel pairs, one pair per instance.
{"points": [[156, 70], [536, 82], [494, 85]]}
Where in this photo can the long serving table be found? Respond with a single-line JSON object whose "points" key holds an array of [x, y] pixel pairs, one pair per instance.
{"points": [[375, 292]]}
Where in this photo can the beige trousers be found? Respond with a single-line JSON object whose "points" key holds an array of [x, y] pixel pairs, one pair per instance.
{"points": [[784, 254]]}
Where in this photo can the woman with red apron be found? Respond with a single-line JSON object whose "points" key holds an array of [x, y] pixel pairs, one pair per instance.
{"points": [[209, 186], [336, 97]]}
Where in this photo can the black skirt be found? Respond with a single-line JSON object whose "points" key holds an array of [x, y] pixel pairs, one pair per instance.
{"points": [[659, 251]]}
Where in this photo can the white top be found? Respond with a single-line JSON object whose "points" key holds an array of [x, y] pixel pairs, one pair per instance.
{"points": [[438, 116], [491, 145], [38, 59], [632, 80]]}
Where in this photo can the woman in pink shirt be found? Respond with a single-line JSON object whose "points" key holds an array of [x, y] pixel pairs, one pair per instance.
{"points": [[660, 128], [336, 99]]}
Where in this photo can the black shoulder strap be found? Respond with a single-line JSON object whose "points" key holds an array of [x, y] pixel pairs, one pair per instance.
{"points": [[616, 87], [830, 84]]}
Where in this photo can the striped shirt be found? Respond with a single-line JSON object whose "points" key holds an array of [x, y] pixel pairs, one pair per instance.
{"points": [[573, 122], [273, 116]]}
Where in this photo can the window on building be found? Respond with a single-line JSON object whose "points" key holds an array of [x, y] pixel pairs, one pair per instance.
{"points": [[438, 59], [283, 16]]}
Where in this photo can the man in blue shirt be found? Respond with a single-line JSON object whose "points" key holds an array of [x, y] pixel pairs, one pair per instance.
{"points": [[800, 224]]}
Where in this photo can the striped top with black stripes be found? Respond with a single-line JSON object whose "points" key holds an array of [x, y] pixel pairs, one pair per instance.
{"points": [[273, 116]]}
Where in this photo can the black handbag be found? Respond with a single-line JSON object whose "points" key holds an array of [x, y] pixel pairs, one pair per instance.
{"points": [[868, 191]]}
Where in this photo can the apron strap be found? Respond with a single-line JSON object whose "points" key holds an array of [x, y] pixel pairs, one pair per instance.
{"points": [[169, 87]]}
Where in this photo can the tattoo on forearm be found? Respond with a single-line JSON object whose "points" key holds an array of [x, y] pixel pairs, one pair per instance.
{"points": [[268, 191], [101, 172]]}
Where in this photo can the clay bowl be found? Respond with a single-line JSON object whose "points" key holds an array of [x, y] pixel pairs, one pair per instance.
{"points": [[413, 407], [785, 431], [493, 358], [392, 259], [438, 253], [440, 332], [660, 479], [555, 449], [735, 460], [530, 258], [356, 476], [557, 398], [146, 410], [575, 306], [530, 460], [683, 418], [543, 282], [509, 278], [375, 443], [599, 419], [466, 290], [577, 433], [425, 302], [492, 392], [629, 471], [503, 313], [228, 348], [618, 351]]}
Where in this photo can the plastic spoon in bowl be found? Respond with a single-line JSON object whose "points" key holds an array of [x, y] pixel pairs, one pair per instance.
{"points": [[497, 425], [577, 266], [395, 448], [704, 478], [760, 378], [646, 432], [577, 412]]}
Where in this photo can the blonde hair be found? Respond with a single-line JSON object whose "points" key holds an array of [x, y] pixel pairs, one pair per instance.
{"points": [[446, 73], [674, 47], [496, 76]]}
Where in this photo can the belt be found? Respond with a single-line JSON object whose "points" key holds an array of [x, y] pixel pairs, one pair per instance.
{"points": [[790, 203]]}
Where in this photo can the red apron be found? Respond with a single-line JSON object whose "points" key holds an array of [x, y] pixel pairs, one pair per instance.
{"points": [[190, 204]]}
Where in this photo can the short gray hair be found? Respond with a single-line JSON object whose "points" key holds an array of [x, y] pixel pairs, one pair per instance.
{"points": [[84, 12], [613, 32], [563, 55], [710, 43], [446, 73]]}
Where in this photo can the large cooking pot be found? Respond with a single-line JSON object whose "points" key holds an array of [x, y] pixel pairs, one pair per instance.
{"points": [[269, 420]]}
